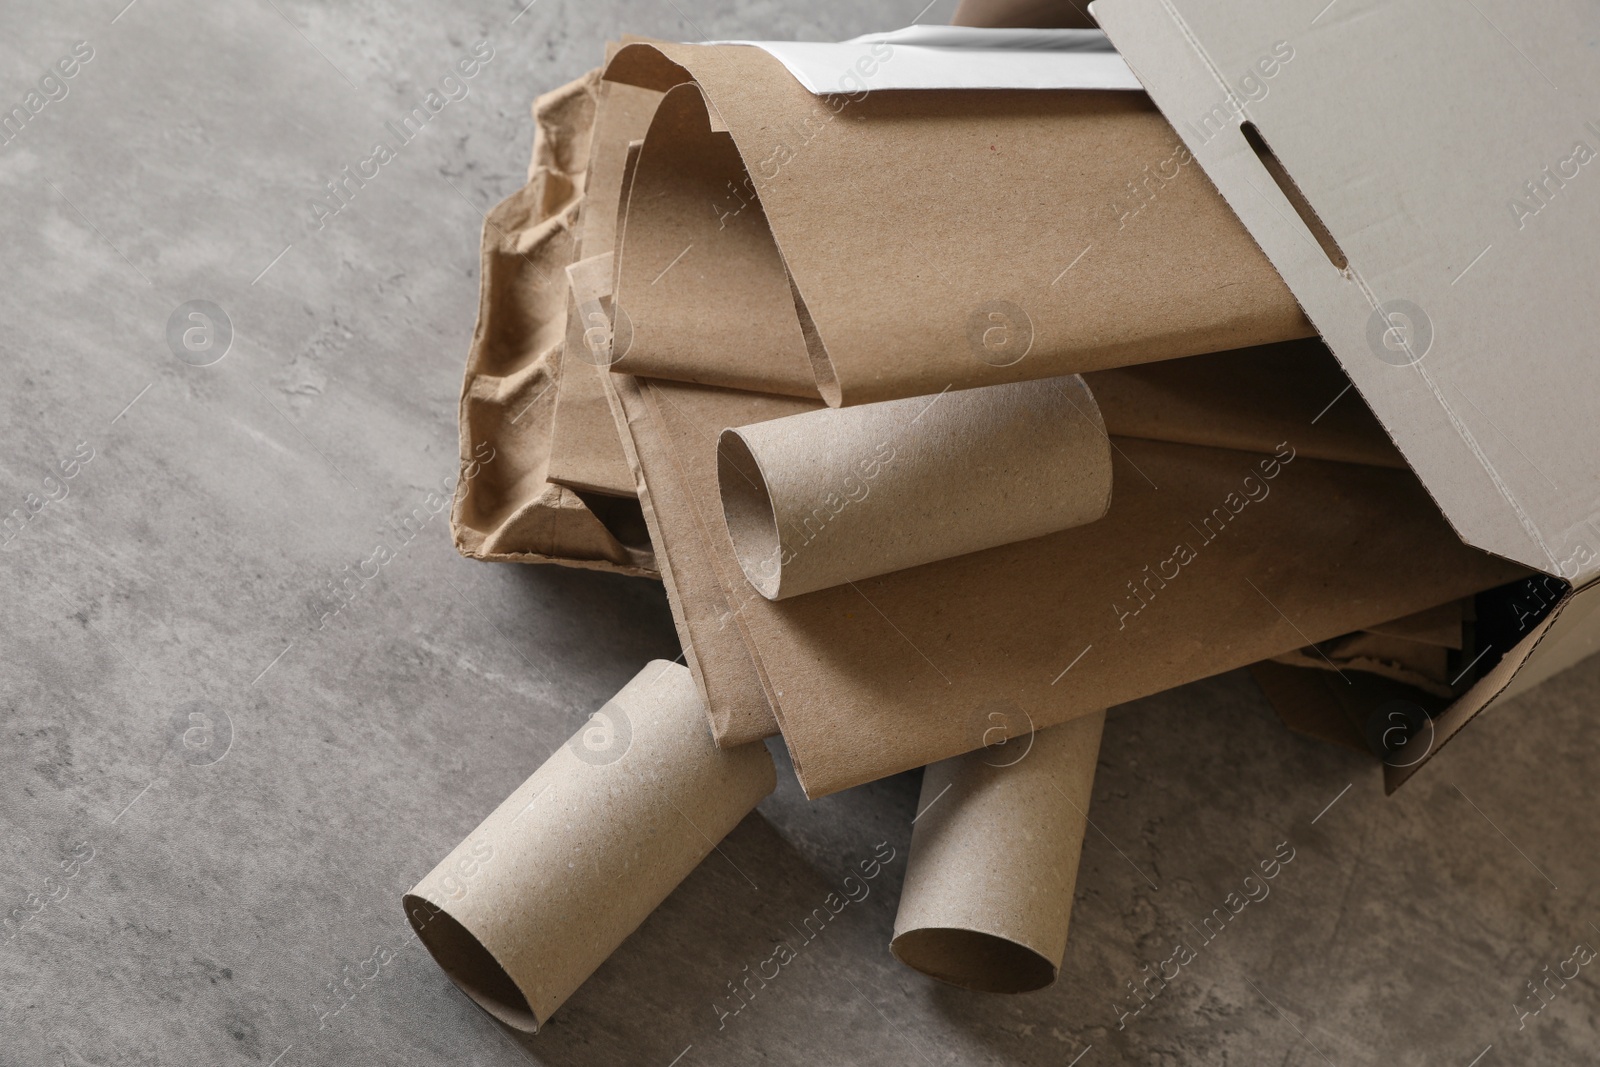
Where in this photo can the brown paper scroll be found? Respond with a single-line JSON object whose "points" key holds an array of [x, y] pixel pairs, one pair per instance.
{"points": [[833, 496], [1202, 564], [934, 238], [547, 887], [994, 860]]}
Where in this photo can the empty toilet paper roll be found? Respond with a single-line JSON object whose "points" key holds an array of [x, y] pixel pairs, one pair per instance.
{"points": [[834, 495], [901, 670], [994, 860], [536, 898]]}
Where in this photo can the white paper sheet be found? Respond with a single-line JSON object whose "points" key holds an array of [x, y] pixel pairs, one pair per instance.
{"points": [[955, 57]]}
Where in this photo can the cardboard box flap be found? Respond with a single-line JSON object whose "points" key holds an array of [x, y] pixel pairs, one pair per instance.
{"points": [[1420, 181]]}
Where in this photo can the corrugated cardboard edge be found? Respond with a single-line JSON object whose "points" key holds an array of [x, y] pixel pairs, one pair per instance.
{"points": [[1564, 638]]}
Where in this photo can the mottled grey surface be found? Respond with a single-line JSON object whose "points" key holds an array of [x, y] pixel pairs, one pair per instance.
{"points": [[200, 900]]}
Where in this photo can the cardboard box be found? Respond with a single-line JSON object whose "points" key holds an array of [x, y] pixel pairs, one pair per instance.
{"points": [[1419, 180]]}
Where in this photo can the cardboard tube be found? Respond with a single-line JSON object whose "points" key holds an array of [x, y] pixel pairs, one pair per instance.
{"points": [[536, 898], [835, 495], [898, 671], [994, 860]]}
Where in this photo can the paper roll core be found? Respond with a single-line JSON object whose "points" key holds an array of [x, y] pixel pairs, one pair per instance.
{"points": [[971, 959], [524, 910], [835, 495], [747, 509], [469, 964], [993, 866]]}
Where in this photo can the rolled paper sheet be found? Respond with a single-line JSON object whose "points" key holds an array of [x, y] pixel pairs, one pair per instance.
{"points": [[759, 207], [836, 495], [994, 860], [536, 898], [737, 308]]}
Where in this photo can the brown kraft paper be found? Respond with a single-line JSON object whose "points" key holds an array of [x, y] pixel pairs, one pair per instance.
{"points": [[697, 590], [1234, 410], [933, 238], [836, 495], [994, 860], [705, 296], [547, 887], [1209, 559], [584, 451], [1248, 399]]}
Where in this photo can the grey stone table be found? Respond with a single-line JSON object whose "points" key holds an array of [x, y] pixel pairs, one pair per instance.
{"points": [[235, 899]]}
